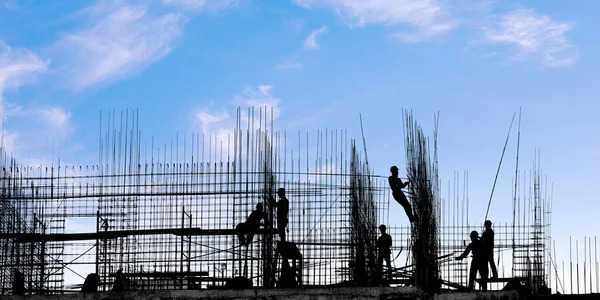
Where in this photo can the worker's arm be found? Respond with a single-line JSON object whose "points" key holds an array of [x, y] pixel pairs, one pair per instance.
{"points": [[272, 201], [403, 184], [464, 254]]}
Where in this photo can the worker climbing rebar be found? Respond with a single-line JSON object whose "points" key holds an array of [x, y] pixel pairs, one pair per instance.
{"points": [[397, 185], [479, 261]]}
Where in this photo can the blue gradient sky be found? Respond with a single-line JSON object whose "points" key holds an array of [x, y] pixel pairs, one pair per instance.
{"points": [[321, 63]]}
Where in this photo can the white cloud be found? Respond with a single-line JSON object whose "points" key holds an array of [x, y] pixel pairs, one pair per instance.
{"points": [[311, 42], [56, 118], [260, 97], [428, 17], [122, 40], [220, 123], [535, 36], [208, 120], [203, 4], [16, 66], [288, 63], [286, 66], [489, 55]]}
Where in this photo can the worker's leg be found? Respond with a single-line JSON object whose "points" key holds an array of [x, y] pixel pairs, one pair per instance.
{"points": [[389, 266], [472, 274], [483, 273], [281, 225], [241, 230], [249, 238], [401, 198], [493, 266], [251, 232], [379, 265]]}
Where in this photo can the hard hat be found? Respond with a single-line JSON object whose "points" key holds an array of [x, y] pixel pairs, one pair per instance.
{"points": [[393, 168], [474, 233], [382, 227]]}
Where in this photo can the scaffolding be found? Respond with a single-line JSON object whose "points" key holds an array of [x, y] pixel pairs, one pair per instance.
{"points": [[164, 215]]}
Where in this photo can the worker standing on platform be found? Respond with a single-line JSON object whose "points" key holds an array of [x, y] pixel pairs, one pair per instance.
{"points": [[283, 208], [397, 185], [384, 249], [18, 287], [246, 230], [479, 262], [487, 237]]}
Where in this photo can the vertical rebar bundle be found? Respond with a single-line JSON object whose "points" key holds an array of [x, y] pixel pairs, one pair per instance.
{"points": [[422, 174], [363, 223]]}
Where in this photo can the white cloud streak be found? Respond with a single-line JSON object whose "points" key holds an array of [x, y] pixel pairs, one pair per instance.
{"points": [[429, 18], [221, 123], [16, 66], [203, 4], [311, 42], [123, 39], [287, 66], [534, 36], [57, 119]]}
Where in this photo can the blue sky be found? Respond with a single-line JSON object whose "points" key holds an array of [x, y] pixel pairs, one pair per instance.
{"points": [[186, 65]]}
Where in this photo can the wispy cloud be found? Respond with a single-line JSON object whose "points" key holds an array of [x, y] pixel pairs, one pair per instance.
{"points": [[122, 39], [203, 4], [219, 122], [290, 65], [534, 36], [287, 63], [311, 42], [16, 67], [260, 96], [56, 119], [429, 18], [489, 55]]}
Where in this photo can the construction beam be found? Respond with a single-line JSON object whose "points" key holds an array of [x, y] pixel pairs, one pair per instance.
{"points": [[56, 237]]}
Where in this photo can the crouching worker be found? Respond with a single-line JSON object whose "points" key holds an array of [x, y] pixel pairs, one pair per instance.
{"points": [[245, 231]]}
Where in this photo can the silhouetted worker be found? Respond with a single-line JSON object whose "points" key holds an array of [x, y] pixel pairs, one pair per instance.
{"points": [[18, 287], [384, 245], [479, 262], [283, 208], [251, 225], [90, 285], [487, 237], [397, 185], [119, 284]]}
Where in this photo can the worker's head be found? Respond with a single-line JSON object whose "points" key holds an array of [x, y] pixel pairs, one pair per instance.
{"points": [[394, 170], [487, 224], [281, 192], [382, 228], [259, 206], [474, 235]]}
